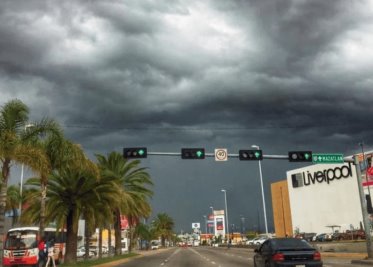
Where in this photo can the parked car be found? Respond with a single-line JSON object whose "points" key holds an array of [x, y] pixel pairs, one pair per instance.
{"points": [[306, 236], [80, 252], [257, 241], [286, 252], [94, 249], [322, 237], [154, 245], [350, 235]]}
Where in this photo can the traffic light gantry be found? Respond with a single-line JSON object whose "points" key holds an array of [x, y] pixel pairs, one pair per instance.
{"points": [[192, 153], [250, 154], [135, 152], [199, 153], [300, 156]]}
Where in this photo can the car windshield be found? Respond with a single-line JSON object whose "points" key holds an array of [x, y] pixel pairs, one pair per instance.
{"points": [[291, 243]]}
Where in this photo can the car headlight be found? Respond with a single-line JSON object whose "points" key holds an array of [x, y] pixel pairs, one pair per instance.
{"points": [[6, 253], [33, 252]]}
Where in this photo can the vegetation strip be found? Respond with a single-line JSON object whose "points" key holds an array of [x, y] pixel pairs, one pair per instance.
{"points": [[104, 262]]}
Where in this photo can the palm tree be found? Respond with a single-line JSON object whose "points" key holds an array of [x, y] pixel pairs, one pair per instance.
{"points": [[142, 231], [16, 145], [137, 208], [53, 145], [163, 225], [134, 182], [12, 202], [70, 194]]}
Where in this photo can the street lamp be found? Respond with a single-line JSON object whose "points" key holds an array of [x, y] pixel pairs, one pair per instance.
{"points": [[29, 125], [226, 211], [261, 184], [242, 224]]}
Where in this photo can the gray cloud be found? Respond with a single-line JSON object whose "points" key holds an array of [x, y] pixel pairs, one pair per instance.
{"points": [[284, 75]]}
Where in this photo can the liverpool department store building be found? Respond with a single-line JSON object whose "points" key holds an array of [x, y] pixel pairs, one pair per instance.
{"points": [[321, 198]]}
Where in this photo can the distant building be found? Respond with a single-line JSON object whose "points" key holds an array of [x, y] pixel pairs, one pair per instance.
{"points": [[320, 198]]}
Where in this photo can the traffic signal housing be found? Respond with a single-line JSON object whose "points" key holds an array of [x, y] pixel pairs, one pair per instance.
{"points": [[250, 154], [300, 156], [192, 153], [135, 152]]}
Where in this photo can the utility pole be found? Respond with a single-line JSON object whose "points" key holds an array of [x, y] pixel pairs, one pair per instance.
{"points": [[363, 208]]}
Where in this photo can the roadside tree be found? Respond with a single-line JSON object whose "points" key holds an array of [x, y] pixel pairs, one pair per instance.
{"points": [[134, 182], [17, 146]]}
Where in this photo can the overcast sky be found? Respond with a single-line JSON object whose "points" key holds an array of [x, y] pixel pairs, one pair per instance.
{"points": [[284, 75]]}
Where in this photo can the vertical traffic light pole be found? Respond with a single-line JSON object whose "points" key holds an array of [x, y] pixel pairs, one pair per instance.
{"points": [[363, 205]]}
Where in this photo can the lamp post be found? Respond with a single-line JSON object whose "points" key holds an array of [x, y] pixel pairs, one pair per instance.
{"points": [[242, 224], [261, 184], [204, 216], [226, 212], [29, 125], [212, 213]]}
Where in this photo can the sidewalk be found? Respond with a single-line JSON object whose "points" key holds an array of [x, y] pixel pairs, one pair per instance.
{"points": [[356, 258]]}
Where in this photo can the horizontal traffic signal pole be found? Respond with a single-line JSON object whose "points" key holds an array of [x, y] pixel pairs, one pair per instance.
{"points": [[233, 155], [212, 155]]}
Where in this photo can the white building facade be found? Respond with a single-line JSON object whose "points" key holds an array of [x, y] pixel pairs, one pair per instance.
{"points": [[324, 195]]}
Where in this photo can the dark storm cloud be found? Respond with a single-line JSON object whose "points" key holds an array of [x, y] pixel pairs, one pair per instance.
{"points": [[170, 74]]}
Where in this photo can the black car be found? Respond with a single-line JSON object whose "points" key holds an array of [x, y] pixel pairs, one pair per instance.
{"points": [[287, 252]]}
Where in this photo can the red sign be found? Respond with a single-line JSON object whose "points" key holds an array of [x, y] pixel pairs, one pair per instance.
{"points": [[370, 172], [123, 222], [219, 224]]}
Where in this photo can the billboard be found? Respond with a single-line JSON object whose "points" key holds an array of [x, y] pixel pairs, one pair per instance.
{"points": [[219, 223], [196, 225]]}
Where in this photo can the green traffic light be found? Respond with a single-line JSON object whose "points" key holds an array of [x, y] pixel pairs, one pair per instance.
{"points": [[307, 156], [199, 153], [257, 154], [141, 152]]}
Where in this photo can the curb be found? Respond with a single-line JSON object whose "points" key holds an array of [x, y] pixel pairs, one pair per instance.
{"points": [[358, 256], [362, 262]]}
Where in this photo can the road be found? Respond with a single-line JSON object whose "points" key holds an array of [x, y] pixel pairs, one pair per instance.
{"points": [[208, 256]]}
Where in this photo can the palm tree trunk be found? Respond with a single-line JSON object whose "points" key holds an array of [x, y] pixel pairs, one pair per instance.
{"points": [[109, 240], [129, 238], [100, 242], [71, 238], [87, 235], [4, 185], [42, 206], [117, 232]]}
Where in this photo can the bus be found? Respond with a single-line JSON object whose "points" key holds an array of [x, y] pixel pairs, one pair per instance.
{"points": [[21, 245]]}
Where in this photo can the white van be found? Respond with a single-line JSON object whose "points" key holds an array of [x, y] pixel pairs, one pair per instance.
{"points": [[154, 244]]}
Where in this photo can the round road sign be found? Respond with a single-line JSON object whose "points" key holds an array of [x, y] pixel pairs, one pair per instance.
{"points": [[221, 154]]}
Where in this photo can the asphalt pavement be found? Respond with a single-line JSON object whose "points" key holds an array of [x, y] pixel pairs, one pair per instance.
{"points": [[348, 259]]}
